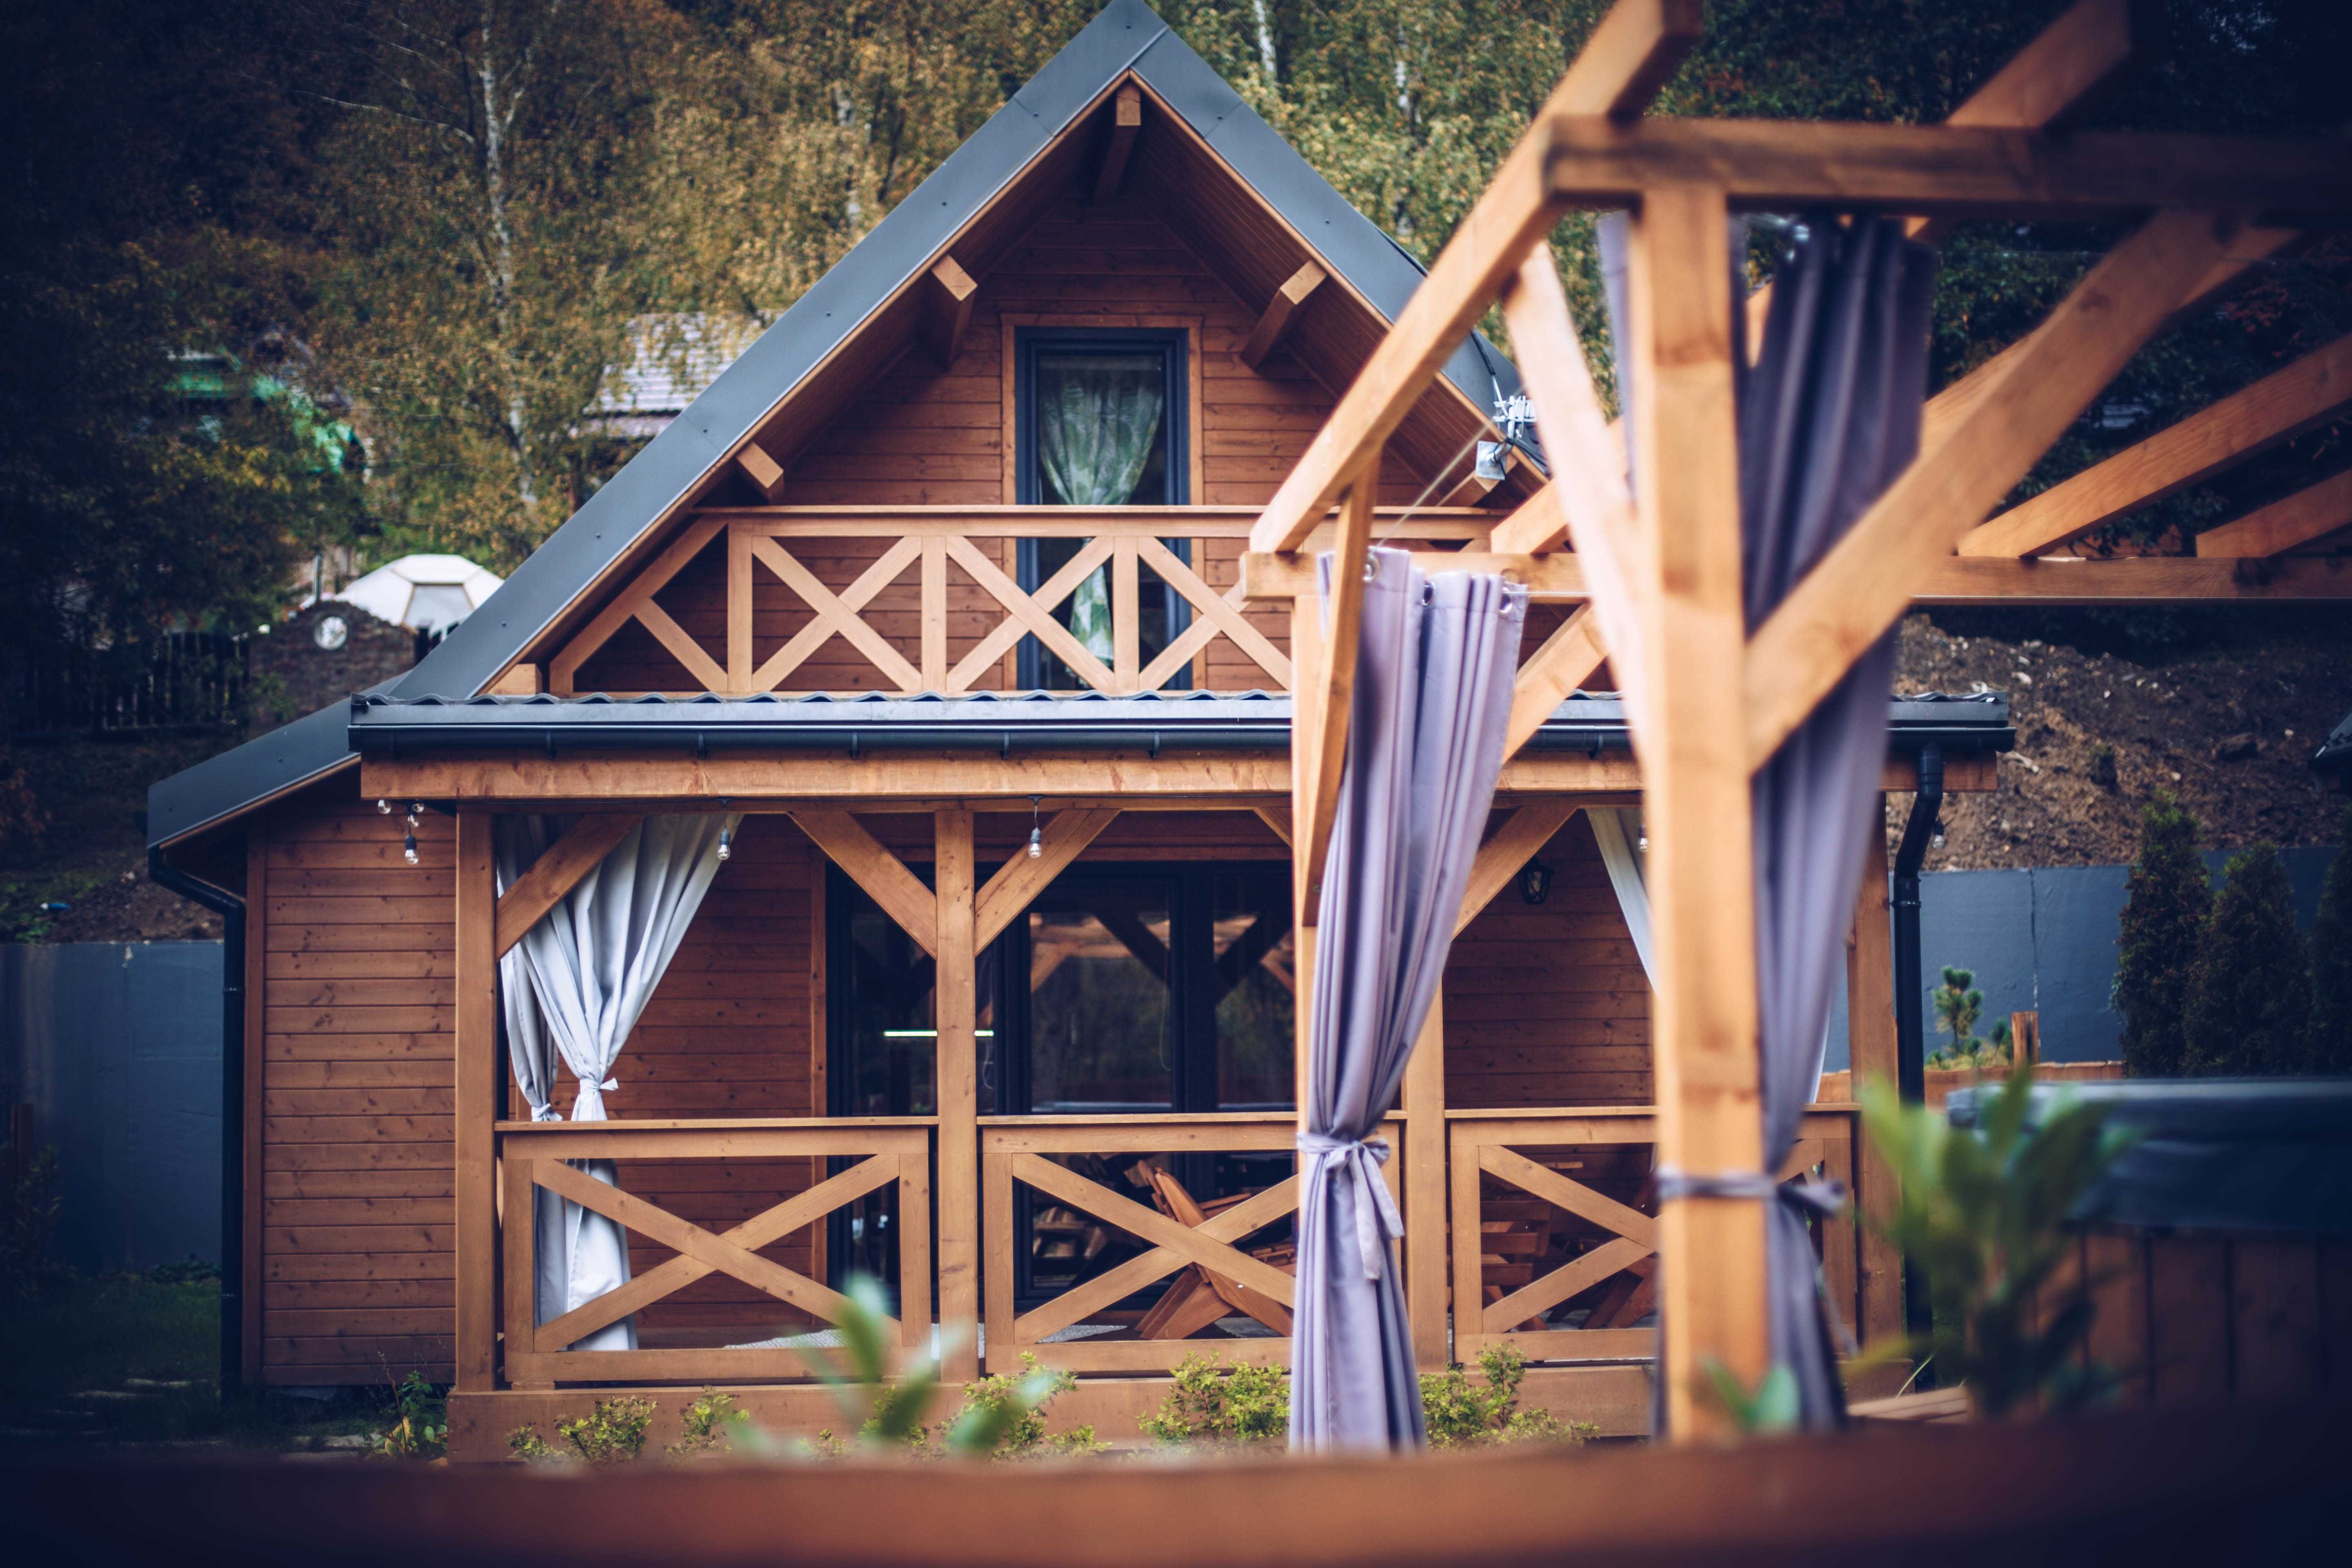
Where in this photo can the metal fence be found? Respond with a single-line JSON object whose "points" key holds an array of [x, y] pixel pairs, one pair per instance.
{"points": [[181, 680]]}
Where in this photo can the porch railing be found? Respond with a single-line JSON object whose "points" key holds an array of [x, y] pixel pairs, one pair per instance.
{"points": [[765, 547], [535, 1155], [1510, 1173], [1219, 1279]]}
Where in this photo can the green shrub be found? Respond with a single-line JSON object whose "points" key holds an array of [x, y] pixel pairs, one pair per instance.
{"points": [[420, 1427], [1213, 1403], [2331, 963], [2250, 991], [1005, 1416], [2167, 895], [29, 1207], [1988, 1212], [1216, 1404], [1460, 1413], [614, 1432], [705, 1426]]}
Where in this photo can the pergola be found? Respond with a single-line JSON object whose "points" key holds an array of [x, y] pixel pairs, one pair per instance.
{"points": [[1655, 564]]}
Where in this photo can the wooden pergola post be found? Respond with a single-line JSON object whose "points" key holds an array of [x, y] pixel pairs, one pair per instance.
{"points": [[475, 1106], [1871, 1055], [1696, 805], [957, 998]]}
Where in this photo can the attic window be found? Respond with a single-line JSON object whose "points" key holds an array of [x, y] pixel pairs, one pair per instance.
{"points": [[1101, 421]]}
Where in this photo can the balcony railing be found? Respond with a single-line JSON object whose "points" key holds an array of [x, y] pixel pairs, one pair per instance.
{"points": [[948, 579]]}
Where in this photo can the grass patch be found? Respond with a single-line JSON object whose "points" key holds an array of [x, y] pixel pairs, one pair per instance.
{"points": [[120, 1359]]}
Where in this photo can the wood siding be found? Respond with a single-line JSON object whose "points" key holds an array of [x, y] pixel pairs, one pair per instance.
{"points": [[921, 436]]}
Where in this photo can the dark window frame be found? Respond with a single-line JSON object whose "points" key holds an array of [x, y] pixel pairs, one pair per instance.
{"points": [[1175, 345]]}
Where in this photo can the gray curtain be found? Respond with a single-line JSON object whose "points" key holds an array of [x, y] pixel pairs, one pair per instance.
{"points": [[1097, 426], [1828, 417], [1432, 699]]}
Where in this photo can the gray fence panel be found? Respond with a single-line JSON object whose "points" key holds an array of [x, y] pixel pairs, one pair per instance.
{"points": [[118, 1047], [2044, 939]]}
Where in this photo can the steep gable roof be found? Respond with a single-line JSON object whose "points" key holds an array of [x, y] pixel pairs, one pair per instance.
{"points": [[1127, 39]]}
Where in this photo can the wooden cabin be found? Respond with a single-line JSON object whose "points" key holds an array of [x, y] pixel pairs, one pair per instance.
{"points": [[991, 995]]}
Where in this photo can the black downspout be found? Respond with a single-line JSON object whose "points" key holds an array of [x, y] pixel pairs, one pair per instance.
{"points": [[1910, 997], [231, 909]]}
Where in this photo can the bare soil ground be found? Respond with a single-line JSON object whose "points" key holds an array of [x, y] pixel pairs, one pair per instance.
{"points": [[2223, 711]]}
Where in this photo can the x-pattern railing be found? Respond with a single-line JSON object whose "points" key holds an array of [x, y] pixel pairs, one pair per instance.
{"points": [[763, 546], [1482, 1145], [536, 1156], [1019, 1150]]}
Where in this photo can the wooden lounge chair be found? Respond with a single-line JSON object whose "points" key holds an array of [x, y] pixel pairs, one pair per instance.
{"points": [[1197, 1298]]}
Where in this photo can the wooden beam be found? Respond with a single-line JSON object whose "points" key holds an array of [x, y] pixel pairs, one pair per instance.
{"points": [[1119, 142], [1944, 171], [1472, 487], [1870, 1039], [1685, 442], [2282, 525], [1629, 56], [475, 1098], [955, 990], [766, 474], [2279, 408], [1505, 853], [636, 595], [945, 311], [1594, 509], [1274, 322], [883, 875], [1423, 1093], [1560, 579], [1863, 585], [557, 871], [1321, 711], [1019, 880], [1565, 661]]}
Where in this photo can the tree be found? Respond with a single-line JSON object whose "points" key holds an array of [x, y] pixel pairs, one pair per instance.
{"points": [[2165, 900], [2249, 993], [1958, 1006], [2331, 963]]}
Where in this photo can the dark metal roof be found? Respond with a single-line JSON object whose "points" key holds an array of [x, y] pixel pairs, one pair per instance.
{"points": [[1126, 34], [1587, 721]]}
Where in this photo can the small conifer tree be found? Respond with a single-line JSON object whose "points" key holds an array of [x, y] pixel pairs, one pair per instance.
{"points": [[2249, 993], [2163, 914], [2331, 963]]}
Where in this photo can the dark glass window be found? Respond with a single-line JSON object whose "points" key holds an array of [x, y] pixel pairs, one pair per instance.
{"points": [[1101, 420], [1122, 989]]}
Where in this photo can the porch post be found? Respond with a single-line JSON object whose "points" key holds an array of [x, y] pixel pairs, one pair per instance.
{"points": [[1425, 1189], [475, 1104], [957, 998], [1869, 1033], [1695, 794]]}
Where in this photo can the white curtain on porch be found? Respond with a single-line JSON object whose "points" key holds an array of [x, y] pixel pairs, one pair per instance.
{"points": [[1618, 831], [572, 989]]}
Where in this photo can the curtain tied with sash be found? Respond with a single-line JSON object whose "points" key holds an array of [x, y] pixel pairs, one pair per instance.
{"points": [[571, 991], [1430, 703]]}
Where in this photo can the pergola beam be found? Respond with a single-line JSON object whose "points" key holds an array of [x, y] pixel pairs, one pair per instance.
{"points": [[1561, 578], [1274, 323], [557, 871], [1942, 170], [2279, 408], [1868, 579], [1629, 57], [2301, 518]]}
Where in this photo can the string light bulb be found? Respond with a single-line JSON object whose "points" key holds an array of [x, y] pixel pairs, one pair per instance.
{"points": [[726, 833], [1036, 833], [408, 839], [385, 806]]}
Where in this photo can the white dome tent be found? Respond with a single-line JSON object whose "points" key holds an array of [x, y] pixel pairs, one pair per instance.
{"points": [[427, 594]]}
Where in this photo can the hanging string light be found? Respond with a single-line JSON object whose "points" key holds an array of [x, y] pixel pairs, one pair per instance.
{"points": [[726, 832], [385, 806], [1036, 833], [408, 841]]}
